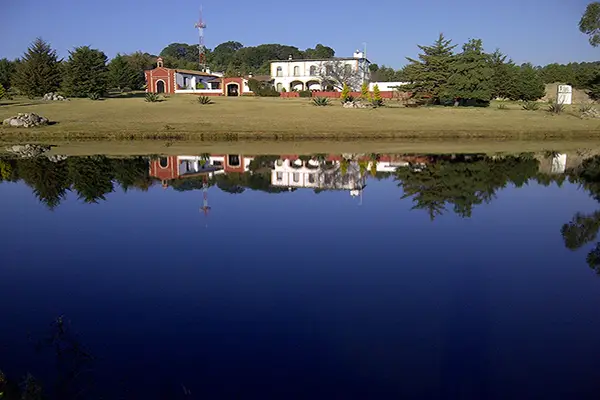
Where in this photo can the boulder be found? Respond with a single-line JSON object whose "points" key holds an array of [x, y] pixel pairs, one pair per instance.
{"points": [[354, 104], [27, 150], [53, 97], [26, 120]]}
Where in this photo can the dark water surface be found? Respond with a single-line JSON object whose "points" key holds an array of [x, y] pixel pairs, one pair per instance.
{"points": [[322, 276]]}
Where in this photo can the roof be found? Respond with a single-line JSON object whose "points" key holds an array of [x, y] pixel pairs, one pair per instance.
{"points": [[260, 78], [192, 72], [321, 59]]}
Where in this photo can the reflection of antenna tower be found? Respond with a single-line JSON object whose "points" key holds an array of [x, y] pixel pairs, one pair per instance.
{"points": [[205, 207], [200, 25]]}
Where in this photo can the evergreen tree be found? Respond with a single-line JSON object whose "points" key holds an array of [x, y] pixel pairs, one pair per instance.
{"points": [[471, 74], [140, 62], [2, 91], [345, 92], [590, 23], [364, 91], [121, 74], [428, 76], [86, 72], [530, 86], [504, 77], [7, 70], [38, 72]]}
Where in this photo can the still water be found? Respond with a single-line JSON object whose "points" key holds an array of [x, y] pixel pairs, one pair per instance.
{"points": [[302, 276]]}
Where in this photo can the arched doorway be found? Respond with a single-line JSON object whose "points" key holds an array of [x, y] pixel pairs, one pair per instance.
{"points": [[233, 89], [160, 86]]}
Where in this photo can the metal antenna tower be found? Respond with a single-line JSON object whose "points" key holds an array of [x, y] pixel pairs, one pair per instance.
{"points": [[200, 25]]}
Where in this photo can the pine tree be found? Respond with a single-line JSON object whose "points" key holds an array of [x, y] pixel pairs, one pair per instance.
{"points": [[364, 91], [530, 85], [2, 91], [377, 94], [38, 72], [86, 72], [428, 76], [7, 70], [345, 93], [121, 74], [471, 74], [504, 77]]}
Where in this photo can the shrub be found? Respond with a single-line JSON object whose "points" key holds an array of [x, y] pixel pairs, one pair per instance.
{"points": [[305, 93], [377, 94], [200, 85], [364, 91], [2, 91], [531, 106], [283, 90], [345, 93], [320, 101], [348, 99], [377, 103], [94, 96], [204, 100], [584, 108], [556, 108], [151, 98]]}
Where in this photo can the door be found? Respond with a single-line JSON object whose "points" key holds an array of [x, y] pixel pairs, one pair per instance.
{"points": [[232, 89], [160, 87]]}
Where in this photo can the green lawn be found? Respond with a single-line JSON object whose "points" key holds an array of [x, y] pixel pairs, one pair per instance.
{"points": [[246, 118]]}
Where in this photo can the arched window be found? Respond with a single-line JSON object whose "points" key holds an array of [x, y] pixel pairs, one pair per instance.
{"points": [[279, 87], [296, 71], [279, 71], [163, 162], [313, 70]]}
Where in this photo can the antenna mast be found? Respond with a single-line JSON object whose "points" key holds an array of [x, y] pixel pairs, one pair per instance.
{"points": [[200, 25]]}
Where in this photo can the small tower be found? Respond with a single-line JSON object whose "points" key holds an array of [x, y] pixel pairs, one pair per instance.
{"points": [[159, 62]]}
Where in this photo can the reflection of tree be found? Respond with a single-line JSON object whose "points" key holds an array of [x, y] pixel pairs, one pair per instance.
{"points": [[583, 229], [131, 173], [49, 180], [91, 176], [463, 181], [237, 182]]}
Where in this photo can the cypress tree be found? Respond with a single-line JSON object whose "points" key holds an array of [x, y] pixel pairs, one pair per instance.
{"points": [[428, 76], [86, 72], [38, 72], [504, 78], [471, 74], [121, 74], [2, 91], [530, 85]]}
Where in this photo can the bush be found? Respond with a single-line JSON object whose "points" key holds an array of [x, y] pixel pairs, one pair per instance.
{"points": [[556, 108], [584, 108], [2, 92], [94, 96], [531, 106], [377, 103], [320, 101], [345, 93], [204, 100], [348, 99], [152, 98], [200, 85], [305, 93]]}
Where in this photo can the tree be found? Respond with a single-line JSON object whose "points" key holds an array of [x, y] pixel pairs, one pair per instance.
{"points": [[530, 86], [86, 72], [337, 73], [364, 91], [38, 72], [471, 74], [345, 93], [377, 95], [7, 70], [121, 74], [319, 52], [187, 54], [140, 62], [504, 77], [428, 76], [590, 23], [2, 91]]}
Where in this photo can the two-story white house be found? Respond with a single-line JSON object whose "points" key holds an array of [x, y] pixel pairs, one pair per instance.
{"points": [[301, 74]]}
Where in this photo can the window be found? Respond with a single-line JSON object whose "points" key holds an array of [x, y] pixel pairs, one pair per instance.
{"points": [[296, 177], [311, 178], [163, 162], [279, 176], [313, 70], [279, 162], [279, 71], [234, 161], [296, 71], [185, 81], [279, 87]]}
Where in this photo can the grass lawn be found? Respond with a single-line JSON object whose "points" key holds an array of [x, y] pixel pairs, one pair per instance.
{"points": [[246, 118]]}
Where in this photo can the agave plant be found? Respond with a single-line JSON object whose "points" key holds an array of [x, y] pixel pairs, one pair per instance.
{"points": [[204, 100], [151, 98], [320, 101], [94, 96], [531, 106], [556, 108], [585, 108]]}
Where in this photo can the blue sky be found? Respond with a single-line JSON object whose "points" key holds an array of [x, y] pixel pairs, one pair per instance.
{"points": [[540, 31]]}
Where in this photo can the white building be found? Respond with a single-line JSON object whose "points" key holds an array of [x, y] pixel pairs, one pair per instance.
{"points": [[307, 74]]}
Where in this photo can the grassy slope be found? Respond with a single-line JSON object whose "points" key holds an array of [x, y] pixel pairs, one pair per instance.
{"points": [[273, 118]]}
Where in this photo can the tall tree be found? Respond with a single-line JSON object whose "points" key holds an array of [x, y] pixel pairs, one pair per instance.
{"points": [[319, 52], [428, 76], [188, 53], [7, 70], [471, 74], [38, 72], [590, 23], [86, 72], [530, 85], [504, 76], [140, 62], [121, 74]]}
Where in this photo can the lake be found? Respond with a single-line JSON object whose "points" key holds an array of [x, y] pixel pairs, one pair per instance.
{"points": [[457, 276]]}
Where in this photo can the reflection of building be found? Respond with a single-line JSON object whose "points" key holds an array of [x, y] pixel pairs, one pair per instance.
{"points": [[231, 162], [328, 175], [178, 167], [553, 164]]}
